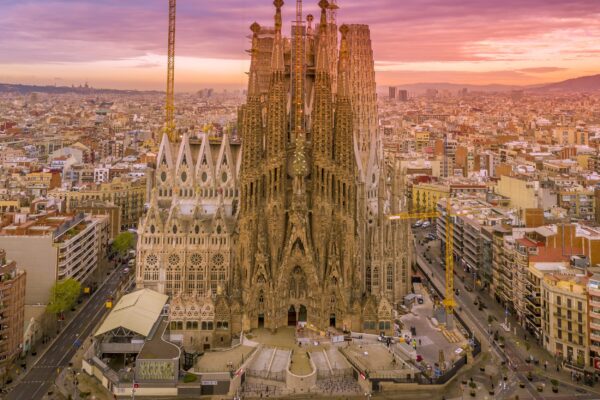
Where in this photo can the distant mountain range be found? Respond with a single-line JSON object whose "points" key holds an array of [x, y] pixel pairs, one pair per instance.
{"points": [[589, 83], [582, 84], [26, 89]]}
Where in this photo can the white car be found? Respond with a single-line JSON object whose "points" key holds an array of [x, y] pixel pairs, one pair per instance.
{"points": [[426, 224]]}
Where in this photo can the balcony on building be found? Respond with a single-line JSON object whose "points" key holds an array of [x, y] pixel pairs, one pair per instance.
{"points": [[534, 301]]}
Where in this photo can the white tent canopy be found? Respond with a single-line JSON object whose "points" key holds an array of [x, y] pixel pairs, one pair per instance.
{"points": [[137, 312]]}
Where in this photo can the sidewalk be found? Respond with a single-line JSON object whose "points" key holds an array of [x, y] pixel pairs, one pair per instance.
{"points": [[517, 344], [17, 372], [86, 384]]}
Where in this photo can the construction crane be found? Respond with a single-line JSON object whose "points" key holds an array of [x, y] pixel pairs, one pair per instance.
{"points": [[448, 302], [170, 101]]}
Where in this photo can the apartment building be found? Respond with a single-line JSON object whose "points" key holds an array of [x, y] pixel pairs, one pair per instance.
{"points": [[593, 289], [425, 196], [523, 192], [473, 221], [501, 285], [565, 317], [128, 195], [54, 246], [12, 307], [545, 262]]}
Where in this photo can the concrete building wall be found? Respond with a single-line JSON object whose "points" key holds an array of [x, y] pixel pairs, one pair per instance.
{"points": [[523, 194], [37, 256]]}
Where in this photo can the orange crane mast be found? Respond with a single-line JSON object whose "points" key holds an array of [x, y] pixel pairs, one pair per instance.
{"points": [[448, 302], [170, 100]]}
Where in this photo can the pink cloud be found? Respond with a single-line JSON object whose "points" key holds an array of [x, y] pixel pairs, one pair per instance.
{"points": [[49, 31]]}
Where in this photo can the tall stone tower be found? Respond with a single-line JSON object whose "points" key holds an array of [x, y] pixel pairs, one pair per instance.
{"points": [[315, 245]]}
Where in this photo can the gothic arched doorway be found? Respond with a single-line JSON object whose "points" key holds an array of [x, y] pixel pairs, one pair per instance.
{"points": [[332, 320], [292, 316], [303, 314], [261, 320]]}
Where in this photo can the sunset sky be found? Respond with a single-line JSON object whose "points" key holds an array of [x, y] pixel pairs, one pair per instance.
{"points": [[122, 43]]}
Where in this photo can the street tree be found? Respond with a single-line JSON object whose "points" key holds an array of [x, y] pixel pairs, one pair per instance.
{"points": [[124, 242], [63, 295]]}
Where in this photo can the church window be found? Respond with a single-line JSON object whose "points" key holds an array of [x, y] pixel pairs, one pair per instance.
{"points": [[213, 279], [173, 259], [197, 229], [368, 279], [389, 280], [204, 177], [183, 176], [151, 259], [196, 259], [163, 176], [218, 229], [224, 177], [152, 229], [375, 276], [175, 229], [200, 286], [218, 259]]}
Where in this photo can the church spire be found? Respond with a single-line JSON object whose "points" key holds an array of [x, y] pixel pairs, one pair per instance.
{"points": [[344, 149], [276, 114], [253, 87], [277, 64], [323, 107], [322, 58], [343, 64], [297, 74]]}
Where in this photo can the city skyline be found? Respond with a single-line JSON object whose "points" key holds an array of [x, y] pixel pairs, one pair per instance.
{"points": [[471, 42]]}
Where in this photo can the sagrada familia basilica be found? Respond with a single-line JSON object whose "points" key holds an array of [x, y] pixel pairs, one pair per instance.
{"points": [[291, 226]]}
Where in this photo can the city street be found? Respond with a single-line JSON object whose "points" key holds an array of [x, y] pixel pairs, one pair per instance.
{"points": [[36, 382], [477, 319]]}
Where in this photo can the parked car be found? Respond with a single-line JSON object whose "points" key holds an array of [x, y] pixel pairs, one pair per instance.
{"points": [[417, 224], [426, 224]]}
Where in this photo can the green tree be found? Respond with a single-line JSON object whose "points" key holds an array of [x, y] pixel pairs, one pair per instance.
{"points": [[124, 242], [63, 295]]}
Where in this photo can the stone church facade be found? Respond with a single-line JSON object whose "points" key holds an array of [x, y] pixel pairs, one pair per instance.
{"points": [[291, 227]]}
